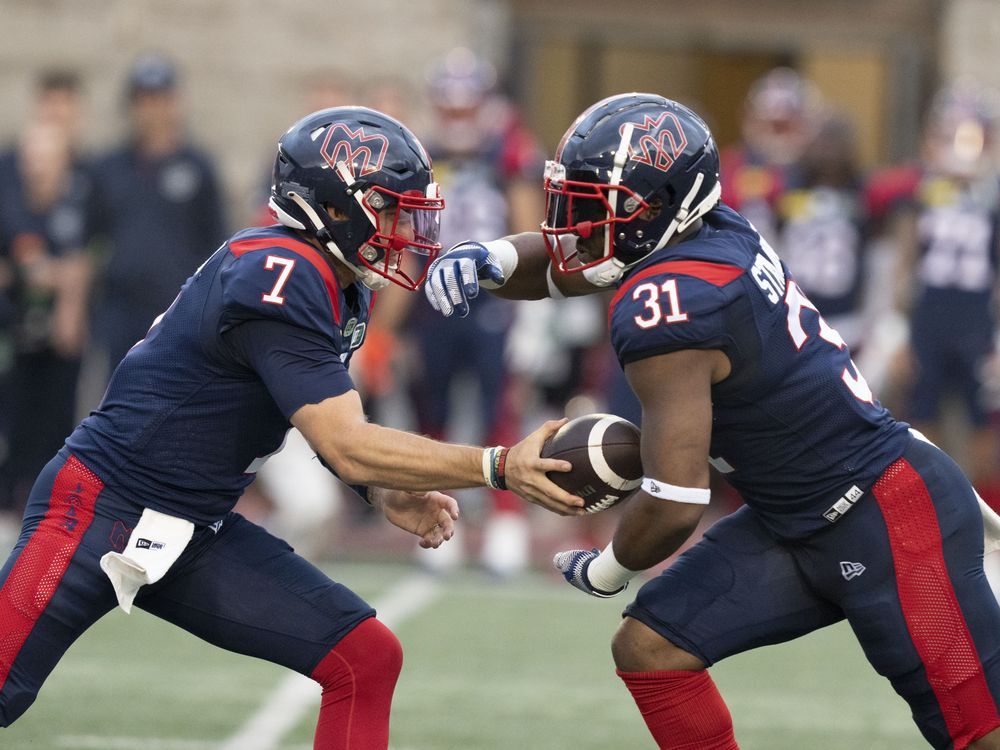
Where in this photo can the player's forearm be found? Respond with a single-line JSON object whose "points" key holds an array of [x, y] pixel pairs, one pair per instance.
{"points": [[394, 459], [652, 529], [531, 279]]}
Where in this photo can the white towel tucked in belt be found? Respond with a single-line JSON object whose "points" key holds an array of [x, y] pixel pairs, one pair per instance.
{"points": [[155, 544], [991, 526]]}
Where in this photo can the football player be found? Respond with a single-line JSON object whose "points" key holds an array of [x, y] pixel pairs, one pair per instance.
{"points": [[136, 506], [849, 514], [780, 116], [948, 232]]}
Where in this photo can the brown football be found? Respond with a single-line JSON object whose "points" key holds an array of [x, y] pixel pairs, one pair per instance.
{"points": [[604, 451]]}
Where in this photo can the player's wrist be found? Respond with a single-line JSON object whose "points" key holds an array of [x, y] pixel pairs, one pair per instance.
{"points": [[505, 255], [606, 575], [495, 467]]}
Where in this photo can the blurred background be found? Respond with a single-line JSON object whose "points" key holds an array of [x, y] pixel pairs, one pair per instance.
{"points": [[858, 136]]}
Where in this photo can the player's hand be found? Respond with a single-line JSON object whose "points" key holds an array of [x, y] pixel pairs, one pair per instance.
{"points": [[525, 473], [429, 515], [573, 564], [453, 278]]}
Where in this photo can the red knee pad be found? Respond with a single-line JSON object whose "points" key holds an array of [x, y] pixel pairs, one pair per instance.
{"points": [[683, 709], [358, 678]]}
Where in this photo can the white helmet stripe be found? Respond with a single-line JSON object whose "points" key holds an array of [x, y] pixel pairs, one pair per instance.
{"points": [[621, 157], [604, 472]]}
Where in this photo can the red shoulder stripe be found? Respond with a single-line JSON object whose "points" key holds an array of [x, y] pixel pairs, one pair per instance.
{"points": [[718, 274], [302, 249]]}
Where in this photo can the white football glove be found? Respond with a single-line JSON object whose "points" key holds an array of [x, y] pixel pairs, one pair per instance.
{"points": [[453, 278], [573, 564]]}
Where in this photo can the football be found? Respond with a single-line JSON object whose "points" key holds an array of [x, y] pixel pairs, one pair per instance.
{"points": [[604, 451]]}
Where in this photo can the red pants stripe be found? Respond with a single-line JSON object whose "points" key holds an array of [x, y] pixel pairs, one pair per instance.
{"points": [[931, 610], [40, 567]]}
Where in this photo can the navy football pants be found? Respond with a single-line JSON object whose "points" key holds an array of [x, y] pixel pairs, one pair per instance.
{"points": [[237, 587], [904, 567]]}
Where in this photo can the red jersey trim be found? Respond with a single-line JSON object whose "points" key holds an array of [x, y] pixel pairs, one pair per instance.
{"points": [[930, 608], [302, 249], [717, 274], [39, 569]]}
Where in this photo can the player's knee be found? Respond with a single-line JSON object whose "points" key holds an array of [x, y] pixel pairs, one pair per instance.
{"points": [[386, 657], [368, 656], [638, 648]]}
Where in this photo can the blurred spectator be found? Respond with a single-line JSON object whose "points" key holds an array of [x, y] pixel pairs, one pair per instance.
{"points": [[779, 120], [157, 206], [948, 242], [822, 229], [42, 214], [44, 277], [489, 167]]}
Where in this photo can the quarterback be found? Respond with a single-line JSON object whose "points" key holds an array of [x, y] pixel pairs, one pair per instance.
{"points": [[137, 506], [849, 514]]}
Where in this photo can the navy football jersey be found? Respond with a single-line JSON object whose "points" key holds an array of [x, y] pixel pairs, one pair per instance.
{"points": [[959, 233], [796, 430], [259, 330]]}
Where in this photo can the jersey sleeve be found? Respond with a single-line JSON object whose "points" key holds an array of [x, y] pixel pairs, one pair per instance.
{"points": [[277, 283], [297, 366], [662, 313]]}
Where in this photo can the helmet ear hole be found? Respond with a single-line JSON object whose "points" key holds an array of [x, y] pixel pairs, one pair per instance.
{"points": [[654, 210]]}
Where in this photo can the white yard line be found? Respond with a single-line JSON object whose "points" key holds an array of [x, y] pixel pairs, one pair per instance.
{"points": [[100, 742], [296, 694]]}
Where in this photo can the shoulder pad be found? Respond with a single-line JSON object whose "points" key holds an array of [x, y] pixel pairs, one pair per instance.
{"points": [[281, 278], [672, 305]]}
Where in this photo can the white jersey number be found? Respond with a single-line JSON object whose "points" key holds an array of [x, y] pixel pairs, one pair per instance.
{"points": [[796, 302], [287, 264], [653, 313]]}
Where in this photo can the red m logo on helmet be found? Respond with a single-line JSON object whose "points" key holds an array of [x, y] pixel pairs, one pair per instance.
{"points": [[661, 143], [362, 153]]}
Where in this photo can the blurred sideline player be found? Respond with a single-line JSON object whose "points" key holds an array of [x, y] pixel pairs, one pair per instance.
{"points": [[44, 186], [488, 165], [823, 228], [849, 514], [156, 207], [136, 507], [779, 120], [947, 225], [42, 211]]}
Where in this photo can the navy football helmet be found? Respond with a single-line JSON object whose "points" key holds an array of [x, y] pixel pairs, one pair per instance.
{"points": [[632, 172], [376, 177]]}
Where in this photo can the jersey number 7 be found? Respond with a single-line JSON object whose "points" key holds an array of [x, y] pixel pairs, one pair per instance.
{"points": [[287, 264]]}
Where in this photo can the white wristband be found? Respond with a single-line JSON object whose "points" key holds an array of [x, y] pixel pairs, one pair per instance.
{"points": [[664, 491], [506, 256], [606, 574], [554, 291]]}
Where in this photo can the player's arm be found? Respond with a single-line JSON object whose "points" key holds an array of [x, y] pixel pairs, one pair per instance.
{"points": [[675, 392], [515, 267], [364, 453]]}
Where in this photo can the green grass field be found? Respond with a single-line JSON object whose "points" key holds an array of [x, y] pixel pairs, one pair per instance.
{"points": [[491, 666]]}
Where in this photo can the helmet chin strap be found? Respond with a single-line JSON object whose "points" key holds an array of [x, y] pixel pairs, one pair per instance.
{"points": [[686, 217], [366, 276], [605, 273]]}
